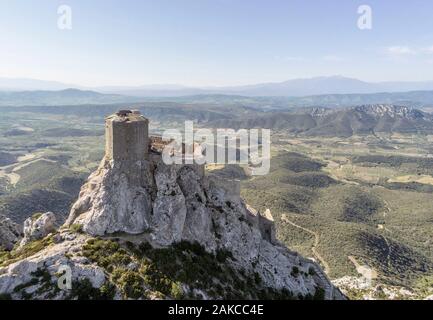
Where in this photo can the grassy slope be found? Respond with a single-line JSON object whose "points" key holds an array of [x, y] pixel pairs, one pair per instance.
{"points": [[346, 217]]}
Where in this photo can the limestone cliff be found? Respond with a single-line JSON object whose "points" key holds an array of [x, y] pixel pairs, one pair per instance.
{"points": [[150, 202]]}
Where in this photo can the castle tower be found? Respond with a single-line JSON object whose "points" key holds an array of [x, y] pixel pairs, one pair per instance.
{"points": [[126, 136]]}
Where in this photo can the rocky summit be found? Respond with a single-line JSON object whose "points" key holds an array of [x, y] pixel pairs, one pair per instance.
{"points": [[143, 229]]}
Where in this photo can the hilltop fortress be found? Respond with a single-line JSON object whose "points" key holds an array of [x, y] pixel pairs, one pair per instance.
{"points": [[127, 140], [134, 192], [137, 158]]}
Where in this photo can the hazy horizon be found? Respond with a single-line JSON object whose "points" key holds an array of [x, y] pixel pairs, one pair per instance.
{"points": [[184, 86], [214, 43]]}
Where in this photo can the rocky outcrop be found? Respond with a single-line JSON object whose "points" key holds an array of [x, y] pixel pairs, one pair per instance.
{"points": [[169, 203], [116, 198], [169, 207], [37, 276], [9, 233], [38, 227]]}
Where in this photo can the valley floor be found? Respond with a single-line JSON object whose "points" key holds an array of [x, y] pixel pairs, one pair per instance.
{"points": [[360, 206]]}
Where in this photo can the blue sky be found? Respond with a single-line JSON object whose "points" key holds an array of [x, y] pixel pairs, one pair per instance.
{"points": [[215, 42]]}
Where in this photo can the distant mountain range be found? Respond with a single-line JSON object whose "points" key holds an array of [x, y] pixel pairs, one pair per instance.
{"points": [[324, 86], [418, 99], [62, 97], [328, 92], [290, 88], [327, 115], [25, 84], [366, 119], [411, 98]]}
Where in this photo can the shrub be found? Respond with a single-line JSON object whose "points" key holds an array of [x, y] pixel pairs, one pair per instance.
{"points": [[83, 290], [36, 216], [107, 254], [107, 291], [319, 294], [145, 247], [131, 284], [5, 296], [29, 249], [76, 227], [165, 270], [223, 255], [257, 278], [176, 291]]}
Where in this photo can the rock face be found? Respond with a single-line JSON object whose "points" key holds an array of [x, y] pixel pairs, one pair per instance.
{"points": [[116, 198], [24, 273], [38, 227], [170, 203], [9, 233]]}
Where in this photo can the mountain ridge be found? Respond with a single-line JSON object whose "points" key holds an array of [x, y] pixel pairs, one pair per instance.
{"points": [[294, 87], [68, 96], [364, 119], [71, 96]]}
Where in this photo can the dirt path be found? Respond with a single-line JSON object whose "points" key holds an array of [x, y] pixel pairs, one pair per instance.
{"points": [[9, 174], [322, 261], [27, 157], [387, 208], [10, 171], [385, 213], [365, 271]]}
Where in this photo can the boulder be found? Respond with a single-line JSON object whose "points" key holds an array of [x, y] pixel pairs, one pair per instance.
{"points": [[9, 233], [38, 227]]}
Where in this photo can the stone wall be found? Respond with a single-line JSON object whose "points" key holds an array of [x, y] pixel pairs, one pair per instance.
{"points": [[127, 137]]}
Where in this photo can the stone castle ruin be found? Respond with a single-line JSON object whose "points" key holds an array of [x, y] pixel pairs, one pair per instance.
{"points": [[133, 164], [127, 139], [134, 192]]}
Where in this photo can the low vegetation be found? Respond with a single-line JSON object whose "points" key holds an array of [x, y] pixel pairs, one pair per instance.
{"points": [[409, 164], [385, 226], [29, 249], [181, 271]]}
